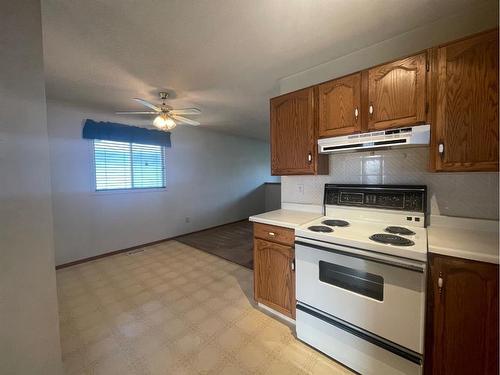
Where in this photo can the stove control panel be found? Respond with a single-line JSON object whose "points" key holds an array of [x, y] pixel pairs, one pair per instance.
{"points": [[351, 197], [393, 197]]}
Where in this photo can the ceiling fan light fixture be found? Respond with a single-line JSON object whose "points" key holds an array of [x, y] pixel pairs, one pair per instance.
{"points": [[166, 116], [164, 122]]}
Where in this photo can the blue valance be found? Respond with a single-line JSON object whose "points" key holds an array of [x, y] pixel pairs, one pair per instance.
{"points": [[111, 131]]}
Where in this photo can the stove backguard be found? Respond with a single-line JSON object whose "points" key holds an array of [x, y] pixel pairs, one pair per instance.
{"points": [[411, 198]]}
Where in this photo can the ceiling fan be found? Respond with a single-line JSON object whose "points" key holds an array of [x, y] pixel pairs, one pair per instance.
{"points": [[166, 116]]}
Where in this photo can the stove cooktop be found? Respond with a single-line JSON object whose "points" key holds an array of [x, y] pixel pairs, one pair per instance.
{"points": [[399, 230], [389, 219], [320, 228], [403, 241], [335, 223], [391, 239]]}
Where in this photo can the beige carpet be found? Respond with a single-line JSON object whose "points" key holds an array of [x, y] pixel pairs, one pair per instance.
{"points": [[172, 309]]}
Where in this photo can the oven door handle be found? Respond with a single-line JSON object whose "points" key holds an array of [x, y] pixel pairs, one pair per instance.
{"points": [[362, 254]]}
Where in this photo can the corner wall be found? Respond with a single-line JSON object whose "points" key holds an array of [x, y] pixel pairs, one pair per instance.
{"points": [[29, 327], [480, 17], [212, 179]]}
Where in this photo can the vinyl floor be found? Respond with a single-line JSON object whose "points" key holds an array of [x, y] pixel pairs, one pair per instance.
{"points": [[172, 309]]}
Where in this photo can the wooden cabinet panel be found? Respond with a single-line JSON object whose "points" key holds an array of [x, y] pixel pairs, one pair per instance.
{"points": [[273, 233], [294, 134], [463, 321], [397, 93], [454, 87], [340, 106], [466, 105], [274, 279]]}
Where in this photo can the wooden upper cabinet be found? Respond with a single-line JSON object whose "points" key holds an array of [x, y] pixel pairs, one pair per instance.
{"points": [[465, 119], [294, 134], [397, 93], [453, 87], [340, 106], [462, 317]]}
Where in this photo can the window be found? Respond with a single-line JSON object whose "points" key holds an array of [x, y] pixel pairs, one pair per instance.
{"points": [[360, 282], [123, 165]]}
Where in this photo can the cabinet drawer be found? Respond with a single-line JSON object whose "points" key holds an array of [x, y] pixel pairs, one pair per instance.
{"points": [[273, 233]]}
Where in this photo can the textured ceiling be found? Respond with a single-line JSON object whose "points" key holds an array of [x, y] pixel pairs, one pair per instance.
{"points": [[222, 56]]}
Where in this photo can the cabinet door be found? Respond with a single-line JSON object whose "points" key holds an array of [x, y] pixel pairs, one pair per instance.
{"points": [[464, 317], [466, 108], [293, 134], [274, 278], [397, 93], [340, 106]]}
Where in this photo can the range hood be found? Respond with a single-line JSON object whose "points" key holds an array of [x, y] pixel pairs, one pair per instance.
{"points": [[402, 137]]}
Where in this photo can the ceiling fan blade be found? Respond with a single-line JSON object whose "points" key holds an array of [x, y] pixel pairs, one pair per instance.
{"points": [[136, 113], [186, 120], [185, 111], [148, 104]]}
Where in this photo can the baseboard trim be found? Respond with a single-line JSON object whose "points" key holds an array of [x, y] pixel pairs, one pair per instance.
{"points": [[115, 252], [276, 313]]}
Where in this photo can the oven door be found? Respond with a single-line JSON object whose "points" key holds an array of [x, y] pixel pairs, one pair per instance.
{"points": [[377, 293]]}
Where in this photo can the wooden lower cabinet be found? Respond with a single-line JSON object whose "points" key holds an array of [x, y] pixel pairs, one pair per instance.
{"points": [[274, 275], [462, 317]]}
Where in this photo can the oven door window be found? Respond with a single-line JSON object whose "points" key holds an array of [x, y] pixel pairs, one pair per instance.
{"points": [[364, 283]]}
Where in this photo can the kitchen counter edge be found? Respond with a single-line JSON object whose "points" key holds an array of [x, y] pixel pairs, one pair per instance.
{"points": [[472, 239], [286, 217]]}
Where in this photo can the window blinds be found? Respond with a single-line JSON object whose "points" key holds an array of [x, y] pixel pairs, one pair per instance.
{"points": [[123, 165]]}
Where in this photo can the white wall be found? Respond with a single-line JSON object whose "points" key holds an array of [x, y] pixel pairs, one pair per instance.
{"points": [[29, 329], [483, 17], [455, 194], [212, 178]]}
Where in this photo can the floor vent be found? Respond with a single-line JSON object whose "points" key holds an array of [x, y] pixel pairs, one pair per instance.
{"points": [[135, 252]]}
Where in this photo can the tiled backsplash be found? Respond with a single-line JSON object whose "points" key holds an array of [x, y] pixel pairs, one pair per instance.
{"points": [[455, 194]]}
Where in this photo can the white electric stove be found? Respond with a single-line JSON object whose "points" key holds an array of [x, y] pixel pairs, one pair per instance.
{"points": [[360, 278]]}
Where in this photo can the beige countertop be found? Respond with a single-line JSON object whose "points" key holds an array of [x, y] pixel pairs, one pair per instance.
{"points": [[473, 239], [288, 217]]}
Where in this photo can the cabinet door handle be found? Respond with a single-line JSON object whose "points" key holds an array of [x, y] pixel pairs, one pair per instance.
{"points": [[309, 158], [440, 283], [356, 114], [292, 264], [370, 110], [441, 149], [272, 234]]}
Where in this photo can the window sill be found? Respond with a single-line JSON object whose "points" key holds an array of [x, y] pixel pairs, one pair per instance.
{"points": [[128, 191]]}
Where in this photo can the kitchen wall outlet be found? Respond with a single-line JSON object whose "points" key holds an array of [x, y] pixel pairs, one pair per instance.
{"points": [[300, 189], [188, 219]]}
